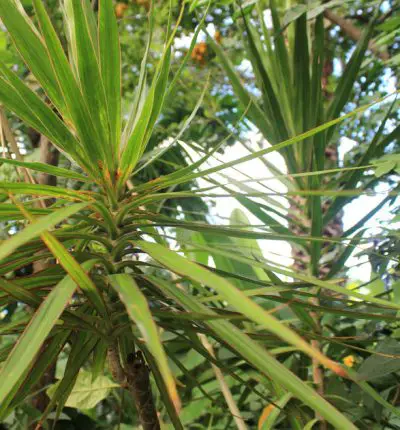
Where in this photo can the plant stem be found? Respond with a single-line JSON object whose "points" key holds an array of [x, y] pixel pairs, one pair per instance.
{"points": [[135, 377], [140, 388]]}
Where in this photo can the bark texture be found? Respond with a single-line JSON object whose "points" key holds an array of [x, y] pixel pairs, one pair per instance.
{"points": [[139, 386]]}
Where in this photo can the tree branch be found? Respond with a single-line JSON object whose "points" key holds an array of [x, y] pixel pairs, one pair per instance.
{"points": [[354, 33]]}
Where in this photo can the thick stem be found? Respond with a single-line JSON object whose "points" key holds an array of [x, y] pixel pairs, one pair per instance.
{"points": [[135, 377], [140, 388]]}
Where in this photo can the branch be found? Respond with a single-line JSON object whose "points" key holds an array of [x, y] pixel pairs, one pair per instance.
{"points": [[354, 33]]}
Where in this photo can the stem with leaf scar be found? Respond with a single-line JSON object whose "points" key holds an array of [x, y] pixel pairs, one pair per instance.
{"points": [[136, 378], [132, 373]]}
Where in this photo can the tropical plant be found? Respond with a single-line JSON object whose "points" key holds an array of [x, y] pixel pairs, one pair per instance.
{"points": [[116, 294]]}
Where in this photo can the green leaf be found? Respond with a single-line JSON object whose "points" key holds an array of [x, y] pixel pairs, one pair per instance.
{"points": [[311, 424], [385, 360], [258, 356], [86, 392], [46, 168], [20, 99], [27, 41], [38, 227], [233, 296], [345, 85], [269, 423], [110, 67], [44, 190], [293, 13], [91, 81], [42, 362], [138, 310], [77, 106], [82, 345], [384, 167], [30, 342], [247, 100]]}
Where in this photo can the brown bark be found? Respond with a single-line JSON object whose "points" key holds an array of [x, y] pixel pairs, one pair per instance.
{"points": [[140, 388], [48, 155], [135, 377]]}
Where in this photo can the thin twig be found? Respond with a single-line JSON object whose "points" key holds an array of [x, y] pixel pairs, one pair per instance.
{"points": [[234, 410]]}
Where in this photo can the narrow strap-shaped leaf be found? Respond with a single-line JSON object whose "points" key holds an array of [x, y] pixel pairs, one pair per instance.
{"points": [[20, 99], [316, 229], [351, 178], [19, 293], [90, 79], [339, 263], [270, 101], [234, 297], [308, 279], [282, 53], [138, 310], [365, 218], [110, 59], [39, 327], [140, 89], [310, 425], [70, 265], [258, 356], [182, 130], [44, 190], [77, 103], [38, 227], [344, 88], [33, 374], [317, 101], [46, 168], [42, 362], [81, 348], [188, 174], [136, 144], [248, 101], [270, 221], [301, 82], [31, 48], [270, 420]]}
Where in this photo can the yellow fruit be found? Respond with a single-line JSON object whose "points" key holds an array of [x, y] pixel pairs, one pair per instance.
{"points": [[349, 360]]}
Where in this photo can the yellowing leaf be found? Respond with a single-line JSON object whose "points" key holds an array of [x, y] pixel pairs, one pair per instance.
{"points": [[264, 415], [87, 392]]}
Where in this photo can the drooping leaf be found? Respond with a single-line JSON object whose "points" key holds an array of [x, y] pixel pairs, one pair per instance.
{"points": [[138, 310]]}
